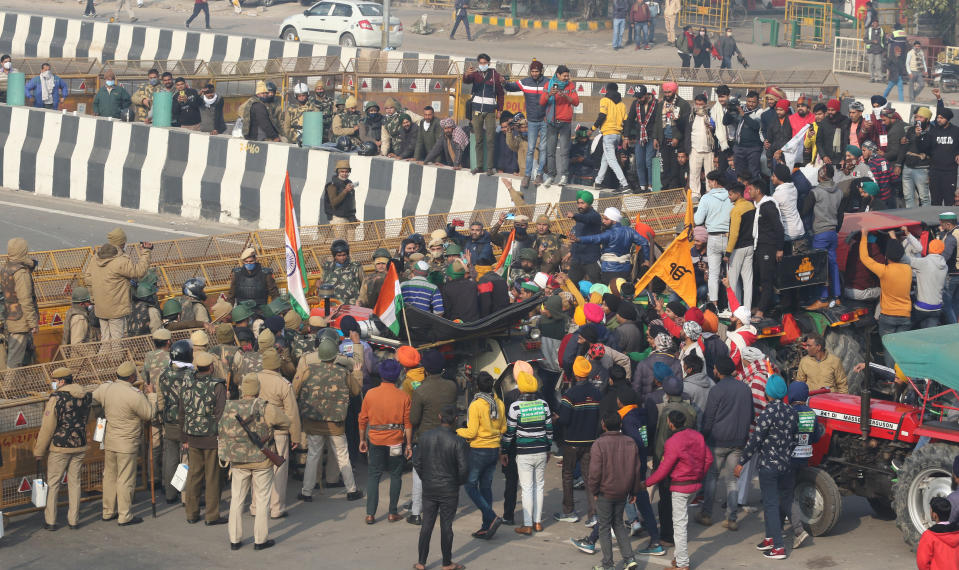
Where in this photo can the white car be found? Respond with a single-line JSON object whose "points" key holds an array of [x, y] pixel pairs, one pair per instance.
{"points": [[344, 22]]}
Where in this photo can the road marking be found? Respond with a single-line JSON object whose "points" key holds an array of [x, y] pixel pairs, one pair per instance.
{"points": [[101, 219]]}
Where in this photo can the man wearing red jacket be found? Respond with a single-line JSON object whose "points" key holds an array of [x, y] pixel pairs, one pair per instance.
{"points": [[939, 545], [558, 99], [686, 460], [802, 116]]}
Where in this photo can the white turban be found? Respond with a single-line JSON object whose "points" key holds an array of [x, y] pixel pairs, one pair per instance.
{"points": [[613, 214]]}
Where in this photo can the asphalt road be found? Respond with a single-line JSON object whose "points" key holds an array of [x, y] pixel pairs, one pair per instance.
{"points": [[54, 223], [330, 533]]}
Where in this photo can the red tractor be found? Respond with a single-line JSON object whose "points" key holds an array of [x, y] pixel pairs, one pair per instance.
{"points": [[896, 455]]}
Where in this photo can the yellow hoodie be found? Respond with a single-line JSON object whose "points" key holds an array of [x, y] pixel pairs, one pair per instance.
{"points": [[481, 431]]}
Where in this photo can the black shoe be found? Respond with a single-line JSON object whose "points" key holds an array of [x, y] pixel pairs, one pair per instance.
{"points": [[493, 526], [112, 518], [262, 545], [133, 521], [235, 545], [282, 515], [50, 527], [74, 527], [415, 519], [173, 501], [193, 521], [221, 520], [354, 496], [335, 485], [509, 521], [304, 498]]}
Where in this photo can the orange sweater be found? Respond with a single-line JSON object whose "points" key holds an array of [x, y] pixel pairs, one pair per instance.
{"points": [[895, 282], [385, 404]]}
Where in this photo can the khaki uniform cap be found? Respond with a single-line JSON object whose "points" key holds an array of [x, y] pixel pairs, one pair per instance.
{"points": [[199, 338], [250, 385], [202, 358], [161, 334], [271, 359], [62, 372], [248, 252], [126, 370]]}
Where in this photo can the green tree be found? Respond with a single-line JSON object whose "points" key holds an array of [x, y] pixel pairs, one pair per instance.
{"points": [[943, 11]]}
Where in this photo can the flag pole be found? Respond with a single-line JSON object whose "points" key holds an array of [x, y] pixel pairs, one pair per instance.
{"points": [[409, 339]]}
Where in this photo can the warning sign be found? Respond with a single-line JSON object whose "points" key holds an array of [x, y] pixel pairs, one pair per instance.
{"points": [[24, 486], [21, 420], [57, 319], [437, 85]]}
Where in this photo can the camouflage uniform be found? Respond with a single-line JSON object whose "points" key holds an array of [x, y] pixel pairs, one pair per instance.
{"points": [[144, 318], [517, 272], [345, 122], [345, 279], [292, 124], [302, 345], [169, 387], [245, 363], [233, 445], [193, 310], [198, 405], [324, 394], [548, 247], [224, 354], [325, 105], [370, 289], [155, 363], [145, 91]]}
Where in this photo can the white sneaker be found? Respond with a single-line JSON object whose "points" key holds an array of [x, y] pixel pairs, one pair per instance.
{"points": [[800, 538], [562, 180], [547, 180], [725, 314]]}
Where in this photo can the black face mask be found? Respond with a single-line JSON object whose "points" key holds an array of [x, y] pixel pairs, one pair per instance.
{"points": [[266, 98]]}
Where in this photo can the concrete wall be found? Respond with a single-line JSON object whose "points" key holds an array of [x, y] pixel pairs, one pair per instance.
{"points": [[219, 178]]}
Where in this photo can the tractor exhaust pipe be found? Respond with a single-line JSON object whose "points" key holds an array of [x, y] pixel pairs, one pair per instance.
{"points": [[865, 401]]}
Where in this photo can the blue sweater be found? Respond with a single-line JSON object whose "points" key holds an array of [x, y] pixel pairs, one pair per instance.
{"points": [[618, 240], [579, 414], [587, 223]]}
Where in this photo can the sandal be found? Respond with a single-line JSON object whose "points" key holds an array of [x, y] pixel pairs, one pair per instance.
{"points": [[419, 566], [454, 566]]}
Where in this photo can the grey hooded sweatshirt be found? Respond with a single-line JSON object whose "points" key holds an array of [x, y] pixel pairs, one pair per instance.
{"points": [[930, 273], [826, 208], [696, 388]]}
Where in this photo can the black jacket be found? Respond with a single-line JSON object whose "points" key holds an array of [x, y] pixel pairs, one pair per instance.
{"points": [[915, 146], [777, 134], [461, 300], [631, 126], [945, 144], [493, 293], [770, 232], [679, 125], [728, 413], [186, 113], [441, 459], [826, 136]]}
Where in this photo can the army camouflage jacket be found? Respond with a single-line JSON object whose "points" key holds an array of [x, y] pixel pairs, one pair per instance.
{"points": [[345, 279], [292, 124]]}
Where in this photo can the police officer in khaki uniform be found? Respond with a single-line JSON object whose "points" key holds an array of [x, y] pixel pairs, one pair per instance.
{"points": [[125, 409], [201, 343], [278, 391], [22, 319], [247, 463], [154, 363], [63, 433]]}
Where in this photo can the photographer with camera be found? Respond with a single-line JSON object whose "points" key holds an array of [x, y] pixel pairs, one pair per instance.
{"points": [[746, 125]]}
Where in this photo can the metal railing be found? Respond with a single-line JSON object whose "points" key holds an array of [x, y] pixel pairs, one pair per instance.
{"points": [[812, 23], [849, 56], [710, 14]]}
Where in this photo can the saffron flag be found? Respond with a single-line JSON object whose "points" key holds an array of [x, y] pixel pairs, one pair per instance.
{"points": [[688, 219], [390, 302], [675, 267], [296, 281], [506, 257]]}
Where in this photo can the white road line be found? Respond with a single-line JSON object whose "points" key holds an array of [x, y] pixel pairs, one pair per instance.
{"points": [[101, 219]]}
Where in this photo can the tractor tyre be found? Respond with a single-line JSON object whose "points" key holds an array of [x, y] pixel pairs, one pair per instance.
{"points": [[819, 500], [926, 473], [843, 343]]}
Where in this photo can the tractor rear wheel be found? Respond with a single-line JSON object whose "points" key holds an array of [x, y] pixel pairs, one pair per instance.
{"points": [[927, 473], [819, 500]]}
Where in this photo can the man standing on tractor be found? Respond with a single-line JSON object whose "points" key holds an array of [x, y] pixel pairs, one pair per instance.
{"points": [[768, 239], [949, 235], [895, 285], [930, 271]]}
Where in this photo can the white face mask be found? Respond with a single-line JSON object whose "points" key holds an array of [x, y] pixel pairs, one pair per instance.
{"points": [[483, 67], [729, 34], [6, 65]]}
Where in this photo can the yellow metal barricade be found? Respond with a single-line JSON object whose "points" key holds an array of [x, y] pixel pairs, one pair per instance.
{"points": [[710, 14], [812, 23]]}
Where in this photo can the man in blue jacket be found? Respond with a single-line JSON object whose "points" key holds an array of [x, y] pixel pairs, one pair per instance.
{"points": [[713, 212], [476, 246], [47, 89], [583, 256], [532, 87], [617, 242]]}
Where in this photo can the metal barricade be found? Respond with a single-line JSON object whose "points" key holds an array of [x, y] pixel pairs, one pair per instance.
{"points": [[136, 346], [849, 56], [413, 82], [812, 23], [710, 14], [888, 17], [663, 211]]}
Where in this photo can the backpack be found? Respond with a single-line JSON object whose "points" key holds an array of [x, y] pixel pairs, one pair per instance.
{"points": [[325, 393], [72, 414], [198, 400], [233, 445]]}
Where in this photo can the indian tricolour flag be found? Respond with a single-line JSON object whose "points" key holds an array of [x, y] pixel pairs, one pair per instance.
{"points": [[296, 282], [506, 257], [390, 302]]}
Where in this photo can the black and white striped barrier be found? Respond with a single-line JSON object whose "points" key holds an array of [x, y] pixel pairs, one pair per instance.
{"points": [[219, 178]]}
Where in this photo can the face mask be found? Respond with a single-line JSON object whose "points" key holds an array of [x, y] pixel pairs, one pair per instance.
{"points": [[110, 82], [154, 81], [702, 33], [266, 98], [46, 74], [729, 34], [6, 65], [483, 67], [249, 266]]}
